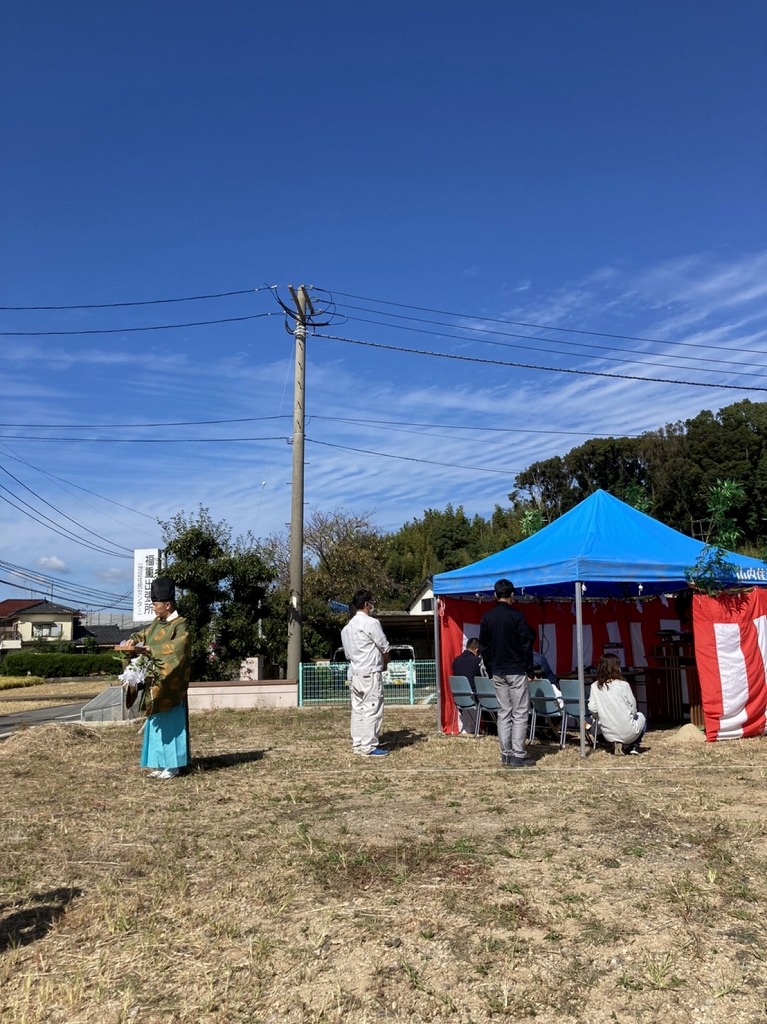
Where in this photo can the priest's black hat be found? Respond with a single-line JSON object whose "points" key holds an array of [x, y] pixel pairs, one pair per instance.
{"points": [[163, 589]]}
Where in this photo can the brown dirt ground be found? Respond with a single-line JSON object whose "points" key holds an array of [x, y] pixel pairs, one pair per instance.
{"points": [[284, 880]]}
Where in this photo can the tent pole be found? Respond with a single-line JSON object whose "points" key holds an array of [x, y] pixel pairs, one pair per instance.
{"points": [[581, 673]]}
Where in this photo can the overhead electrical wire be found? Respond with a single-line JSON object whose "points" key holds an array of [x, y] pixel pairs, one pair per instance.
{"points": [[142, 302], [48, 593], [131, 330], [140, 426], [49, 524], [328, 308], [533, 366], [253, 419], [398, 424], [411, 458], [69, 592], [551, 341], [514, 323], [59, 511], [9, 454], [140, 440], [92, 593]]}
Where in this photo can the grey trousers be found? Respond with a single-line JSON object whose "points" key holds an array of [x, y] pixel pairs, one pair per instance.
{"points": [[513, 698]]}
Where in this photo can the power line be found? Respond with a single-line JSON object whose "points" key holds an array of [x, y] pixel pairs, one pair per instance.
{"points": [[48, 592], [49, 524], [142, 302], [9, 454], [460, 426], [254, 419], [550, 341], [411, 458], [91, 593], [141, 440], [514, 323], [532, 366], [139, 426], [59, 511], [131, 330]]}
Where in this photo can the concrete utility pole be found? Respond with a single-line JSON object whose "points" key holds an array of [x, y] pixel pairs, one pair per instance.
{"points": [[295, 613]]}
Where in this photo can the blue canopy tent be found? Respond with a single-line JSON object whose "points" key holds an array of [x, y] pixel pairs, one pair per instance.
{"points": [[601, 548]]}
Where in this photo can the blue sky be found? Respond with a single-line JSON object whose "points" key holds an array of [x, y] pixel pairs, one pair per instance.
{"points": [[579, 167]]}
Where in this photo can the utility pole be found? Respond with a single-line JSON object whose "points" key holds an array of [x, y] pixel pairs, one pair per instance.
{"points": [[295, 612]]}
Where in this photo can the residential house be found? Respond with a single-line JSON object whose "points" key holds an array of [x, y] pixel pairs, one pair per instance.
{"points": [[24, 622], [422, 602]]}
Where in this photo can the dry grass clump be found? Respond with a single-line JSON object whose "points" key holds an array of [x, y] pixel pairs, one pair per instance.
{"points": [[284, 880], [20, 682]]}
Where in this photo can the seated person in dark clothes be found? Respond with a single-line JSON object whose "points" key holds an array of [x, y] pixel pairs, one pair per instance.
{"points": [[469, 662]]}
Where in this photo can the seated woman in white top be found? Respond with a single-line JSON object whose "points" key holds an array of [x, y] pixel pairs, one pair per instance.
{"points": [[613, 701]]}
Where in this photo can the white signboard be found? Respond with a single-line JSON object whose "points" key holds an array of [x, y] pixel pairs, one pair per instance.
{"points": [[146, 566]]}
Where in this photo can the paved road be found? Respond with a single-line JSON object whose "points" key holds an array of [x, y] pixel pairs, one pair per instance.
{"points": [[63, 713]]}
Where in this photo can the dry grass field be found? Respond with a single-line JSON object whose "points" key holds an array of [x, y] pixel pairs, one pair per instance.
{"points": [[28, 694], [283, 880]]}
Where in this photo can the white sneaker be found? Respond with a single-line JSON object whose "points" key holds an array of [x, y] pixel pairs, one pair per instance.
{"points": [[167, 773], [155, 774]]}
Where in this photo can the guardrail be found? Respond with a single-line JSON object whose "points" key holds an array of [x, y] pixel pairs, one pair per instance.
{"points": [[405, 682]]}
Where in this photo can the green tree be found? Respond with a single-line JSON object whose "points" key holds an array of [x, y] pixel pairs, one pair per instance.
{"points": [[672, 479], [343, 552], [732, 445], [532, 521], [548, 485], [223, 588], [723, 497], [438, 542]]}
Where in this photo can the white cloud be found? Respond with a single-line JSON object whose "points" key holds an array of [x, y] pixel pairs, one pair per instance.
{"points": [[54, 564], [117, 577]]}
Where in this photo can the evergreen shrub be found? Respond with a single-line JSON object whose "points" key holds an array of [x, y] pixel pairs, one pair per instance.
{"points": [[56, 664]]}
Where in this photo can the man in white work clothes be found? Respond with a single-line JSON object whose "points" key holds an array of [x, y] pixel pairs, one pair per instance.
{"points": [[367, 650]]}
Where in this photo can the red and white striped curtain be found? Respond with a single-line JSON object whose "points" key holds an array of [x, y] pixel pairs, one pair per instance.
{"points": [[731, 654]]}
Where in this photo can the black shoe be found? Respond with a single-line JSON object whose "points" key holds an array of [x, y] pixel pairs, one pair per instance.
{"points": [[519, 762]]}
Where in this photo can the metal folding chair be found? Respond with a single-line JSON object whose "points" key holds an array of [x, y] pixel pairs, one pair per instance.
{"points": [[488, 702], [544, 704], [570, 690]]}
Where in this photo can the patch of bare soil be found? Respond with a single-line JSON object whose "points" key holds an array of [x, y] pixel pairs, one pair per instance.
{"points": [[284, 880]]}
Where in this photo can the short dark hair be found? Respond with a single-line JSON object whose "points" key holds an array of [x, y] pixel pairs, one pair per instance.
{"points": [[472, 644], [360, 599], [504, 588]]}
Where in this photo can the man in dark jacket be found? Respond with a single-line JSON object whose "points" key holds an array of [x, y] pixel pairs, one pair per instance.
{"points": [[469, 662], [506, 642]]}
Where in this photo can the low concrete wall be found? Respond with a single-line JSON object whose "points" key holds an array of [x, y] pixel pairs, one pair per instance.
{"points": [[247, 693]]}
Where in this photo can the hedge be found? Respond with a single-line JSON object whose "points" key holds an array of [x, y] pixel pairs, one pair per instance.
{"points": [[19, 663]]}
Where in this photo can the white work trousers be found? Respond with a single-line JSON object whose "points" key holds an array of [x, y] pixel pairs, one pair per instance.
{"points": [[367, 711]]}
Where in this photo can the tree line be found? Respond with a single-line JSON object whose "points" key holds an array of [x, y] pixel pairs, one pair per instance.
{"points": [[706, 476]]}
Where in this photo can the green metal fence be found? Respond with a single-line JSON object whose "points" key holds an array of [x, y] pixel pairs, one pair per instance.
{"points": [[405, 682]]}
